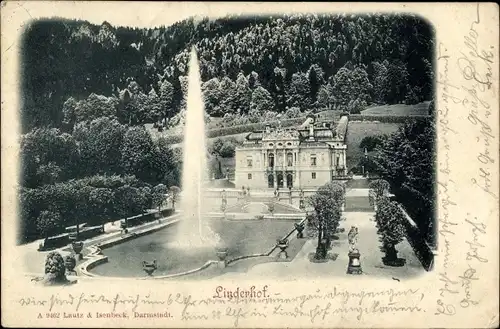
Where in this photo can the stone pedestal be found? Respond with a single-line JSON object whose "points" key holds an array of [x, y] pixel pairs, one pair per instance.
{"points": [[283, 254], [149, 267], [221, 255], [77, 248], [283, 245], [354, 266]]}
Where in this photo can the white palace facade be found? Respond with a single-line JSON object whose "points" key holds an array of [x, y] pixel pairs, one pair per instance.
{"points": [[305, 157]]}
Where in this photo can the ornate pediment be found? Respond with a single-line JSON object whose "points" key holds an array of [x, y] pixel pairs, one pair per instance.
{"points": [[281, 134]]}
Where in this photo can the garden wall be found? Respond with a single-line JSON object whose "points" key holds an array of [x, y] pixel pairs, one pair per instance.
{"points": [[144, 218], [87, 233]]}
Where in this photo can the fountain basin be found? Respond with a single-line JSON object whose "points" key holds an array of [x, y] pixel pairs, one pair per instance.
{"points": [[242, 238]]}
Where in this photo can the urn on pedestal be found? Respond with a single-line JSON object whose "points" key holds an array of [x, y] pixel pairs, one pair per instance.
{"points": [[77, 248], [221, 252], [70, 264], [283, 245], [149, 267]]}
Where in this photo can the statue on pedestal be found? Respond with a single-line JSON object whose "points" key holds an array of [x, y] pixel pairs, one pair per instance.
{"points": [[352, 237], [354, 266]]}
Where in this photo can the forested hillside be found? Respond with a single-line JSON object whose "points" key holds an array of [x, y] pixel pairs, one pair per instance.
{"points": [[252, 64]]}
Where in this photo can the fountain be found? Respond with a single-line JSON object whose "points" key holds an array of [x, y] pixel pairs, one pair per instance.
{"points": [[193, 229], [188, 245]]}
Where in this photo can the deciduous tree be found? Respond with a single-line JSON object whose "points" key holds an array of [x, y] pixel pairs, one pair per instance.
{"points": [[261, 101], [137, 152], [100, 144]]}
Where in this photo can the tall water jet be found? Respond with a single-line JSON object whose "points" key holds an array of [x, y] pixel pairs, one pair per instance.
{"points": [[193, 229]]}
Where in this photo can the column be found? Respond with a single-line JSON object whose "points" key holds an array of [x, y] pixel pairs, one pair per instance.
{"points": [[345, 163], [297, 169]]}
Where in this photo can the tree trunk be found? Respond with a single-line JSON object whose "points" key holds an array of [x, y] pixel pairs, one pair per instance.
{"points": [[391, 253], [328, 236], [319, 234], [321, 248]]}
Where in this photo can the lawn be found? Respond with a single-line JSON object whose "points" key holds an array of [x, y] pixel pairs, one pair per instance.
{"points": [[356, 131], [242, 238], [358, 203], [398, 109]]}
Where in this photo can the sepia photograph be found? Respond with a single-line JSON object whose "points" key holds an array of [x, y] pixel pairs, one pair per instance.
{"points": [[242, 168], [288, 145]]}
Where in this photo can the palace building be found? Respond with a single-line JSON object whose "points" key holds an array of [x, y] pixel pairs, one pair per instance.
{"points": [[305, 157]]}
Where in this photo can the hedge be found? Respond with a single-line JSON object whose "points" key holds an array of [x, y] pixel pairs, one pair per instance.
{"points": [[239, 129], [54, 242], [385, 118], [420, 246]]}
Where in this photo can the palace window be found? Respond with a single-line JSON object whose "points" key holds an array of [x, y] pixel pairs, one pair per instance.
{"points": [[313, 160], [313, 175], [249, 176], [271, 160], [249, 162], [289, 159]]}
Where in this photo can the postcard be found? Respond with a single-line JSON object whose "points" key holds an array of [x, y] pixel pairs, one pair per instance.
{"points": [[242, 165]]}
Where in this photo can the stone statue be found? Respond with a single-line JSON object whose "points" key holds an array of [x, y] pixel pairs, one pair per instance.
{"points": [[352, 236], [354, 266]]}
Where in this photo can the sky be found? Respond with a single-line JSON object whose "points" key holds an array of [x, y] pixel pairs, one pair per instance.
{"points": [[153, 14]]}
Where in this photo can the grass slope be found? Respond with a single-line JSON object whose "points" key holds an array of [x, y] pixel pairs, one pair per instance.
{"points": [[398, 109], [359, 130]]}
